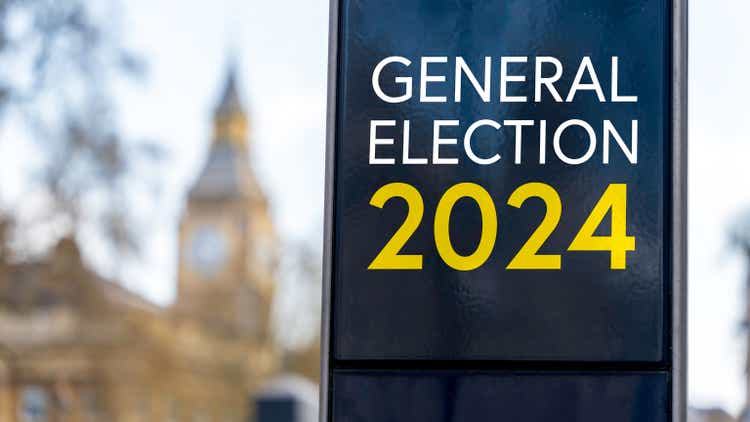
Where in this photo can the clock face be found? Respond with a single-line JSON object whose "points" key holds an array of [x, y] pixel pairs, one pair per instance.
{"points": [[208, 250]]}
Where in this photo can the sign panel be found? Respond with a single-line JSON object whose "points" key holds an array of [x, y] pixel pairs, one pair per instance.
{"points": [[502, 196], [430, 397]]}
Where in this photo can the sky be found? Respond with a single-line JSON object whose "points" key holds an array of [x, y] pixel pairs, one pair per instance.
{"points": [[281, 50], [719, 191]]}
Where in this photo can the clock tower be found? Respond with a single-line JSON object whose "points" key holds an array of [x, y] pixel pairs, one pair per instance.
{"points": [[227, 243]]}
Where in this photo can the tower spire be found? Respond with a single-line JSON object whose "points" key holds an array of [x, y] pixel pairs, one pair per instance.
{"points": [[230, 102], [230, 119]]}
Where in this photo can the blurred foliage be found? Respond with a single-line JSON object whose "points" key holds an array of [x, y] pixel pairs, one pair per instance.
{"points": [[739, 239], [298, 307], [739, 235], [59, 61]]}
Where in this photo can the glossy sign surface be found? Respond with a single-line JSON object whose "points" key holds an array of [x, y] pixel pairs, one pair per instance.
{"points": [[584, 311], [516, 397]]}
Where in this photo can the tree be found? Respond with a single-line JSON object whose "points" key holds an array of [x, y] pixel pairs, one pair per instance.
{"points": [[298, 306], [740, 239], [60, 59]]}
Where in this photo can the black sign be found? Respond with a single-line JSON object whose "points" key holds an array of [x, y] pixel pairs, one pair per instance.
{"points": [[503, 227]]}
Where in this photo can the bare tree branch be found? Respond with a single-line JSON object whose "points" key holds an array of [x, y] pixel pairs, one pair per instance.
{"points": [[70, 55]]}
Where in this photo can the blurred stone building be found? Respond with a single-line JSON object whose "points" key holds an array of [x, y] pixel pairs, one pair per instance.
{"points": [[76, 347]]}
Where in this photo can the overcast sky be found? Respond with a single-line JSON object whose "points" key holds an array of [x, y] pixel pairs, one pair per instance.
{"points": [[281, 49], [719, 192]]}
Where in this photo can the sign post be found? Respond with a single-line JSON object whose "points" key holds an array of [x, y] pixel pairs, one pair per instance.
{"points": [[505, 222]]}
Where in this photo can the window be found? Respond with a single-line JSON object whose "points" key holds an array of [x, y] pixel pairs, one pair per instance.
{"points": [[173, 413], [34, 406], [90, 405]]}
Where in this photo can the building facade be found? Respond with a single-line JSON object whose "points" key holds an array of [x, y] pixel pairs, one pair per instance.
{"points": [[75, 347]]}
